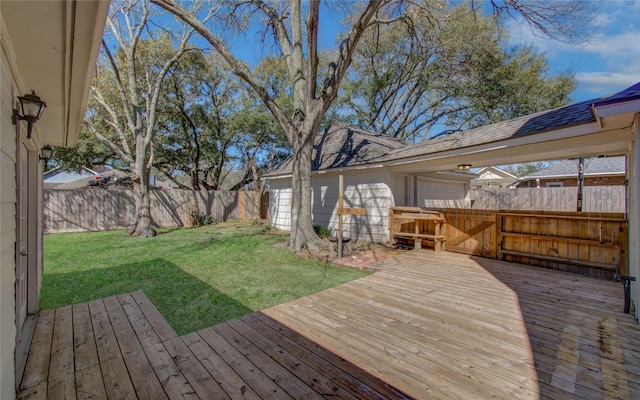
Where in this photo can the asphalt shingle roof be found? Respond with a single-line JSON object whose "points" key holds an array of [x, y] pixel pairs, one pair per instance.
{"points": [[342, 145], [592, 166], [563, 117]]}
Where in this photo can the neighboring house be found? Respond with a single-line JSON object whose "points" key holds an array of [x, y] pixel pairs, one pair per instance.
{"points": [[99, 177], [492, 177], [50, 47], [355, 153], [58, 178], [598, 171]]}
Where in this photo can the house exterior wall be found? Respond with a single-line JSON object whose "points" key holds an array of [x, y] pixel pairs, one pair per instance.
{"points": [[633, 209], [571, 182], [366, 189], [438, 192], [21, 191], [431, 189], [8, 203]]}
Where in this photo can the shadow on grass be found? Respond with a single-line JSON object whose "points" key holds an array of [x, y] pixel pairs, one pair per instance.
{"points": [[186, 302]]}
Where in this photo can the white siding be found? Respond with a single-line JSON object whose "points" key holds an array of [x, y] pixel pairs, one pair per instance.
{"points": [[7, 233], [366, 189], [369, 189], [280, 203], [633, 207], [442, 193]]}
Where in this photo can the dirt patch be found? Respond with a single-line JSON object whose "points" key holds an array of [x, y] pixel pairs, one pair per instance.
{"points": [[363, 255]]}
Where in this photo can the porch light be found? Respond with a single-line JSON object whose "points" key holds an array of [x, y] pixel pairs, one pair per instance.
{"points": [[464, 167], [31, 107], [46, 153]]}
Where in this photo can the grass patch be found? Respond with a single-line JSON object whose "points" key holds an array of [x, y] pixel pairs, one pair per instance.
{"points": [[195, 277]]}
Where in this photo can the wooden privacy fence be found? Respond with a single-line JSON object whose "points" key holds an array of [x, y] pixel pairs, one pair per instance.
{"points": [[98, 209], [588, 243], [595, 199]]}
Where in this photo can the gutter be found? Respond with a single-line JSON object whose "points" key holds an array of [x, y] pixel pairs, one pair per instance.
{"points": [[608, 108]]}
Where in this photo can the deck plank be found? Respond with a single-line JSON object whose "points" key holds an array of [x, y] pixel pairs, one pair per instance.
{"points": [[117, 381], [228, 379], [143, 378], [202, 382], [321, 382], [368, 380], [168, 372], [157, 321], [295, 387], [36, 373], [424, 325], [255, 378], [61, 369], [89, 383]]}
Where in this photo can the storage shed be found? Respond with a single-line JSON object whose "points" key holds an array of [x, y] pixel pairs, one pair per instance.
{"points": [[357, 154]]}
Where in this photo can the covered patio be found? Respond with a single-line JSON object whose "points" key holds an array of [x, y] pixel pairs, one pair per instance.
{"points": [[423, 325]]}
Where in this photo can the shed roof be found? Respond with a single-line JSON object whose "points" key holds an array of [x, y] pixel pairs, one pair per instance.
{"points": [[606, 166], [342, 145]]}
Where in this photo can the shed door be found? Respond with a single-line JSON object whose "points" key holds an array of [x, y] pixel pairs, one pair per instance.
{"points": [[440, 190], [400, 190]]}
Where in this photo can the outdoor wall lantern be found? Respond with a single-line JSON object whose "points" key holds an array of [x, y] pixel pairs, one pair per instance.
{"points": [[46, 153], [464, 167], [31, 107]]}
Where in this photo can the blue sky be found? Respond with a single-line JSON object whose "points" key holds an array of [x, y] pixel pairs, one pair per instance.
{"points": [[607, 63]]}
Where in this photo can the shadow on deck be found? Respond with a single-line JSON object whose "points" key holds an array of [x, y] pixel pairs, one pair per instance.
{"points": [[426, 325]]}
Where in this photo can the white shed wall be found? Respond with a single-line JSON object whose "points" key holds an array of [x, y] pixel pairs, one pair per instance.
{"points": [[442, 193], [369, 189], [280, 203], [366, 189]]}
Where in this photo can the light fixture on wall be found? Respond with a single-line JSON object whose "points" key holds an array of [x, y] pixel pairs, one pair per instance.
{"points": [[31, 107], [464, 167], [46, 153]]}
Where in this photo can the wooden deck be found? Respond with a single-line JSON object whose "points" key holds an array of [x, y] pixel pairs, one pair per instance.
{"points": [[425, 325]]}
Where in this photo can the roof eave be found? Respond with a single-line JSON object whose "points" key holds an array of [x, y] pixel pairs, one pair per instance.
{"points": [[56, 57]]}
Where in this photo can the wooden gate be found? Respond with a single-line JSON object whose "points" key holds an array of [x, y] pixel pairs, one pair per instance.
{"points": [[471, 232], [587, 243]]}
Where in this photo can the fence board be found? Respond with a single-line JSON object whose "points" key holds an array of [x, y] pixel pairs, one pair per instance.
{"points": [[588, 243], [79, 210], [595, 199]]}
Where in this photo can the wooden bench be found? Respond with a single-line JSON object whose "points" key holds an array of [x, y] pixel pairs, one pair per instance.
{"points": [[418, 221]]}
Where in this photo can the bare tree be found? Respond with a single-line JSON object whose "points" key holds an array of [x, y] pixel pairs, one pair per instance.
{"points": [[311, 100], [314, 87], [126, 90]]}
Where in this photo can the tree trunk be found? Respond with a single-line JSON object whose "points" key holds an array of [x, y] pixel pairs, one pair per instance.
{"points": [[142, 225], [302, 233]]}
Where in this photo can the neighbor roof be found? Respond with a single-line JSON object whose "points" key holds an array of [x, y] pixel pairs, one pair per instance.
{"points": [[592, 166]]}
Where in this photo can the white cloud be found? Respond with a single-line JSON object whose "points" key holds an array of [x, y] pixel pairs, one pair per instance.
{"points": [[605, 83], [608, 63]]}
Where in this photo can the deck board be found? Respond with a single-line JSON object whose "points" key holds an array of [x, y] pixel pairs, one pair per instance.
{"points": [[424, 325]]}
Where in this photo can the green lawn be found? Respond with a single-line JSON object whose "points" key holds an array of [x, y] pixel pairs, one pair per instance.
{"points": [[195, 277]]}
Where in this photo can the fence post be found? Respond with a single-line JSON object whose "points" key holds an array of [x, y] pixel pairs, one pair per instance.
{"points": [[241, 201]]}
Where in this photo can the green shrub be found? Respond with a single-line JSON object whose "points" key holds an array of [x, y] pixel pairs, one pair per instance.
{"points": [[323, 231], [203, 219]]}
